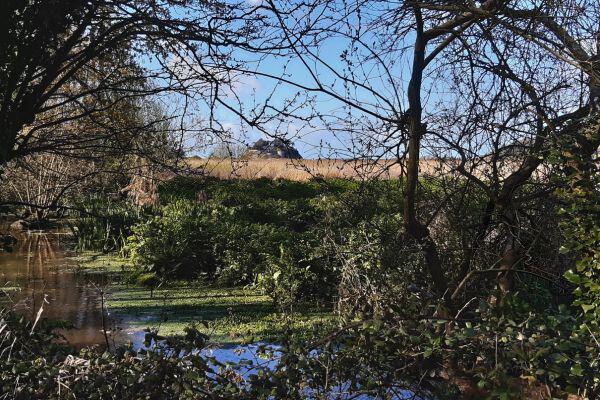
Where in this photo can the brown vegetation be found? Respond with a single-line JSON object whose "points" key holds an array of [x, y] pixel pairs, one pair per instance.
{"points": [[303, 170]]}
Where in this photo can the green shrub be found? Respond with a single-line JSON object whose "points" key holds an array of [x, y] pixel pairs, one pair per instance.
{"points": [[35, 365], [177, 244], [580, 191], [240, 191], [182, 188], [149, 280], [302, 271], [245, 248]]}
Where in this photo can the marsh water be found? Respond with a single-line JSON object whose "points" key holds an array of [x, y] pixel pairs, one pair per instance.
{"points": [[39, 274]]}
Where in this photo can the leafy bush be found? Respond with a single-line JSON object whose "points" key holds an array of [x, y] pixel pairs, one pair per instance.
{"points": [[285, 235], [302, 271], [176, 244], [272, 232], [181, 188], [244, 249], [34, 366], [580, 192]]}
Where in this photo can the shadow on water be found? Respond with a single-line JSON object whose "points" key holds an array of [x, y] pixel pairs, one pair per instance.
{"points": [[43, 274]]}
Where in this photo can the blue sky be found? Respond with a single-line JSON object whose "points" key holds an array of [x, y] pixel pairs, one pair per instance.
{"points": [[339, 128], [253, 90]]}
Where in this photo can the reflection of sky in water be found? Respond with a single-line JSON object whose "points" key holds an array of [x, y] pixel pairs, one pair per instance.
{"points": [[247, 360], [40, 267]]}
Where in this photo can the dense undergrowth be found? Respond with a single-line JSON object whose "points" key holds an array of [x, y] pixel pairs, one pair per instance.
{"points": [[340, 243], [279, 235]]}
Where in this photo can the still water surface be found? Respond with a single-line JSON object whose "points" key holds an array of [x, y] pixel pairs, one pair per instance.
{"points": [[40, 267]]}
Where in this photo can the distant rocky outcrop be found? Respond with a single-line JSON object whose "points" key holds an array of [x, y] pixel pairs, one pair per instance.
{"points": [[276, 148]]}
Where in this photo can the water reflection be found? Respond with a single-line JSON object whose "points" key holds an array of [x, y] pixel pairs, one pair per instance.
{"points": [[40, 267]]}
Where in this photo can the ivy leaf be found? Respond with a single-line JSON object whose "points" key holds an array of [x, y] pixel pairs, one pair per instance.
{"points": [[587, 307], [577, 370], [572, 277]]}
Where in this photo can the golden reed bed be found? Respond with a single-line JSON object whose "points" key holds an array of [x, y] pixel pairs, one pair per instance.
{"points": [[303, 170]]}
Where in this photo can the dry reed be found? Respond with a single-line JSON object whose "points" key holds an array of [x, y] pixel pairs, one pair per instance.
{"points": [[303, 170]]}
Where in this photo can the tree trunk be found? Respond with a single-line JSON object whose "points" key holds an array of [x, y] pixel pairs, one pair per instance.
{"points": [[507, 262], [414, 228]]}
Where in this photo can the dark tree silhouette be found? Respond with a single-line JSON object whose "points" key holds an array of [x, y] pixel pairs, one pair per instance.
{"points": [[62, 61]]}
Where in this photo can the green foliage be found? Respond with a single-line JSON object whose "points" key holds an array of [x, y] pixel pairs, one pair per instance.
{"points": [[320, 241], [174, 368], [303, 271], [33, 367], [509, 347], [149, 280], [275, 233], [236, 191], [380, 271], [245, 248], [580, 189], [103, 224], [180, 188], [177, 244]]}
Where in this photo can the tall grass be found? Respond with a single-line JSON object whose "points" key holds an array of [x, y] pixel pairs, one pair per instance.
{"points": [[304, 170], [359, 169], [103, 224]]}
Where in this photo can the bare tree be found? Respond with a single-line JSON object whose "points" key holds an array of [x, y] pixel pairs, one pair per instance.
{"points": [[83, 58], [120, 148], [39, 183], [483, 87], [229, 150]]}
